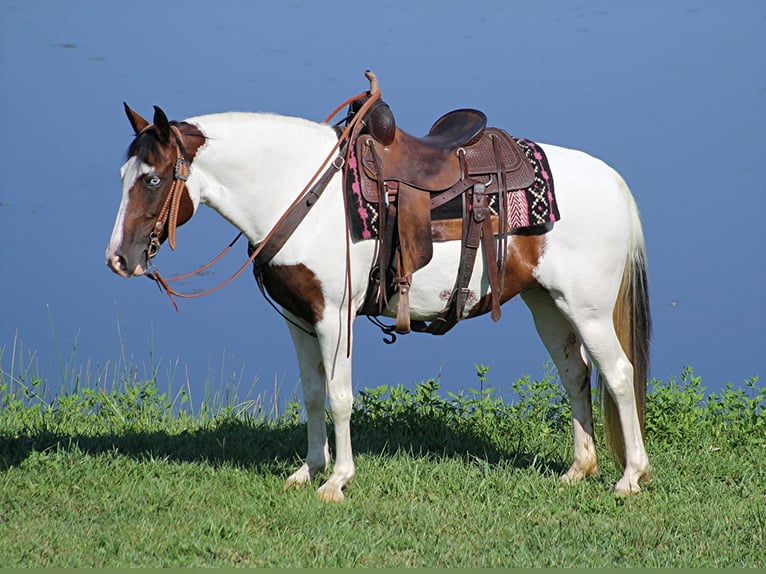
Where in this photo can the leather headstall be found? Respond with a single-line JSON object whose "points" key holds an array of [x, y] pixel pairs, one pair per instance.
{"points": [[169, 213]]}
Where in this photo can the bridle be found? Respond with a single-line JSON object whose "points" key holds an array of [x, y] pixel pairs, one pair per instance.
{"points": [[168, 215]]}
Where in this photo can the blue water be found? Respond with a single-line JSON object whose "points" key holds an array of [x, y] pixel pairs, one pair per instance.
{"points": [[671, 94]]}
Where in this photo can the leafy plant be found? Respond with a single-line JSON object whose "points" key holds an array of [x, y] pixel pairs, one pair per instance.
{"points": [[674, 409]]}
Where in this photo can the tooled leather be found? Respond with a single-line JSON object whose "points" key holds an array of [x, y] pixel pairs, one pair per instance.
{"points": [[436, 169], [480, 159]]}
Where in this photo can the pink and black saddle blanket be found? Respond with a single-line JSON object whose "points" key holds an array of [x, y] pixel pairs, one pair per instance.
{"points": [[533, 206]]}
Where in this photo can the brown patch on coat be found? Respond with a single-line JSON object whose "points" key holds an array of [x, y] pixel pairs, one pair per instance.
{"points": [[297, 289], [524, 253]]}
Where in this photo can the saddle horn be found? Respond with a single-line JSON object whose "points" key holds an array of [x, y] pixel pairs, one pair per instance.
{"points": [[379, 119], [374, 85]]}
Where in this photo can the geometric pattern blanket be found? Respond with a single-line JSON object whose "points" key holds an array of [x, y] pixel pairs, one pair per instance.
{"points": [[529, 207]]}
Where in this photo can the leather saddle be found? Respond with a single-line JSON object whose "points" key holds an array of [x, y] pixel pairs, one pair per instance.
{"points": [[409, 176]]}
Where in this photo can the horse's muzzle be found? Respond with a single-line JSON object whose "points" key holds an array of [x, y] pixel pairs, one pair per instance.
{"points": [[119, 265]]}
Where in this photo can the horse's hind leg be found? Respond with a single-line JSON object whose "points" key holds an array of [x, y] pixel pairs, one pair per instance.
{"points": [[564, 346], [600, 340]]}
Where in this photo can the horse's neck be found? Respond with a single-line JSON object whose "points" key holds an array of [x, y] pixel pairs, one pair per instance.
{"points": [[254, 165]]}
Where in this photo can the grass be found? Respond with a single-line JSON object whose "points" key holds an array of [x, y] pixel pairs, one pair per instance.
{"points": [[122, 474]]}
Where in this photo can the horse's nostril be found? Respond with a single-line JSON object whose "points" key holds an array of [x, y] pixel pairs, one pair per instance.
{"points": [[118, 264]]}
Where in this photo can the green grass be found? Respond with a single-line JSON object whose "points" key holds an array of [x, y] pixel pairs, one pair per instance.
{"points": [[121, 474]]}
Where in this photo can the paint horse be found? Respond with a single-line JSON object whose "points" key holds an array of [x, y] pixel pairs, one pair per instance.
{"points": [[583, 277]]}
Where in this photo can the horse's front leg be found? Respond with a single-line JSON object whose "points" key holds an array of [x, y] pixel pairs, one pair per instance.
{"points": [[325, 370], [314, 390], [337, 371]]}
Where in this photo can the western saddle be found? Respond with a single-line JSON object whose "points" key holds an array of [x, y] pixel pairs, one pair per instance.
{"points": [[407, 177]]}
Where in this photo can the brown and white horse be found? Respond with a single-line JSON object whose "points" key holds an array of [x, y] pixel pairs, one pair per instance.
{"points": [[584, 280]]}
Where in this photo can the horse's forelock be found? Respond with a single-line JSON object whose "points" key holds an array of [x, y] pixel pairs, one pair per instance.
{"points": [[147, 146]]}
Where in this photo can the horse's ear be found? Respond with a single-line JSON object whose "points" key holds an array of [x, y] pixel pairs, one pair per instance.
{"points": [[135, 120], [161, 124]]}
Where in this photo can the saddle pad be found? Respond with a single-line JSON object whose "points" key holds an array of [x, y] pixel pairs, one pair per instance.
{"points": [[532, 206]]}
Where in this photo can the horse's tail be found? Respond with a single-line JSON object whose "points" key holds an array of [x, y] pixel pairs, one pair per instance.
{"points": [[633, 324]]}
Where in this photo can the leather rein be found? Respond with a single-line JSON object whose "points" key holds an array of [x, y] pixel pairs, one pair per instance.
{"points": [[282, 229]]}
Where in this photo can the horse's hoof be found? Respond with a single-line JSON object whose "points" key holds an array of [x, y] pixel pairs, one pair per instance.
{"points": [[328, 493], [299, 478], [628, 484], [292, 484], [625, 487], [577, 473]]}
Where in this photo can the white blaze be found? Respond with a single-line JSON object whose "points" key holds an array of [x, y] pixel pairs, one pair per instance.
{"points": [[129, 172]]}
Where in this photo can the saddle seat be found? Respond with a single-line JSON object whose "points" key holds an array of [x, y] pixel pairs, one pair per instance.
{"points": [[455, 129], [430, 162]]}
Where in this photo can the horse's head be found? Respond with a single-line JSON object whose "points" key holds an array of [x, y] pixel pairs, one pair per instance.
{"points": [[155, 199]]}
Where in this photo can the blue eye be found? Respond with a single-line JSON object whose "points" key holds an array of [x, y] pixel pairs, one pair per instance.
{"points": [[153, 180]]}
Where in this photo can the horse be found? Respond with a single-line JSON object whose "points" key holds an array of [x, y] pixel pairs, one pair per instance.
{"points": [[584, 277]]}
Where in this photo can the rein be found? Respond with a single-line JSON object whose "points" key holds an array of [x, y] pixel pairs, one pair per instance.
{"points": [[285, 225]]}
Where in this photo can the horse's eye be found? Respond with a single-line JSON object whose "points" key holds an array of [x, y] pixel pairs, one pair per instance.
{"points": [[153, 181]]}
